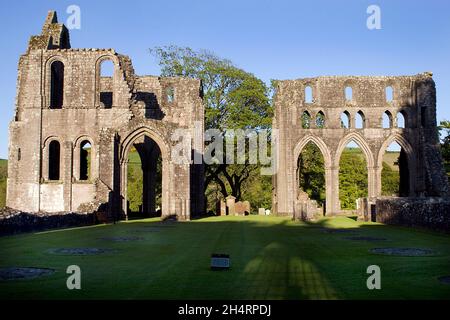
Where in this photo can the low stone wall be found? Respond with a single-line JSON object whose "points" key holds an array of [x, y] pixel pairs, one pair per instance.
{"points": [[432, 213], [12, 222]]}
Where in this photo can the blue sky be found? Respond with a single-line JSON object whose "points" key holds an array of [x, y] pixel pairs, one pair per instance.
{"points": [[272, 39]]}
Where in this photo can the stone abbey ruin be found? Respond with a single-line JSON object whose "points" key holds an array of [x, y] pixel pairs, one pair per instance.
{"points": [[316, 117], [64, 103]]}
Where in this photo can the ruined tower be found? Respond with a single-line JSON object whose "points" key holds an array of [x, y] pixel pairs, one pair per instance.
{"points": [[63, 103]]}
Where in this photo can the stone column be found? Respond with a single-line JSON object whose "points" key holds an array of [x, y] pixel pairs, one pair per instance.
{"points": [[378, 182], [334, 190], [66, 175], [372, 182], [328, 191]]}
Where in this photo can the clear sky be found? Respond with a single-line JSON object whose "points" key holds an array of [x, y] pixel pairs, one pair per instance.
{"points": [[273, 39]]}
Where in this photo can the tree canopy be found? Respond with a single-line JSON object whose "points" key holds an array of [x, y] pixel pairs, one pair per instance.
{"points": [[234, 99]]}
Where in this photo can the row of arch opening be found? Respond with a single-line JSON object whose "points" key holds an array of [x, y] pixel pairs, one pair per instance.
{"points": [[83, 155], [358, 120], [354, 160]]}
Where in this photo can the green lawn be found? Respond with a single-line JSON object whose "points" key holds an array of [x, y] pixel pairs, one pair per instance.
{"points": [[271, 258]]}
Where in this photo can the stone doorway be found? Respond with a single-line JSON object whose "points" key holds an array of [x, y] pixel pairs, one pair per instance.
{"points": [[146, 154]]}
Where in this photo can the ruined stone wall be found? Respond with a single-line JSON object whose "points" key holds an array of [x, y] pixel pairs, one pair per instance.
{"points": [[432, 213], [137, 106], [413, 96], [12, 222]]}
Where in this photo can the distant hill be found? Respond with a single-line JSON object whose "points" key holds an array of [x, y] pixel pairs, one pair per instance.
{"points": [[3, 175], [391, 157]]}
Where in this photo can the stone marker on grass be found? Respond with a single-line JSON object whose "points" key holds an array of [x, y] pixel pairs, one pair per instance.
{"points": [[220, 261]]}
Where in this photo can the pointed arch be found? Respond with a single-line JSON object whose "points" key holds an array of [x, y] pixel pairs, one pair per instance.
{"points": [[409, 151], [320, 120], [359, 140], [369, 159], [319, 143], [387, 121], [360, 120], [346, 120], [327, 162], [402, 119], [396, 137], [306, 120], [140, 132], [167, 183]]}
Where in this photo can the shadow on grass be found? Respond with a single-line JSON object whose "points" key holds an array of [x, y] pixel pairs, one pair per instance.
{"points": [[271, 258]]}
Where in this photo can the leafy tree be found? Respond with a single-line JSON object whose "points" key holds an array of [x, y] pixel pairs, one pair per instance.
{"points": [[390, 181], [234, 99], [135, 181], [444, 129], [352, 178], [311, 172]]}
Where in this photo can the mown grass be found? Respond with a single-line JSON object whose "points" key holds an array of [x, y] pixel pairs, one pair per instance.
{"points": [[271, 258]]}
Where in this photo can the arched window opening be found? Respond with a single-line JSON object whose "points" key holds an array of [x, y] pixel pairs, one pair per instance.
{"points": [[54, 158], [106, 83], [345, 120], [389, 94], [387, 120], [395, 172], [311, 175], [56, 85], [360, 120], [401, 120], [353, 176], [348, 93], [308, 94], [85, 160], [306, 120], [320, 120]]}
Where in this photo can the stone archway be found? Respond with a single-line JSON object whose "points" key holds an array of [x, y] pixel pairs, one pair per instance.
{"points": [[410, 159], [371, 169], [327, 163], [144, 134]]}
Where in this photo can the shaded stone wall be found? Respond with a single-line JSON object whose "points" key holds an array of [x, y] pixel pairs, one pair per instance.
{"points": [[139, 107], [432, 213], [413, 96], [12, 222]]}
